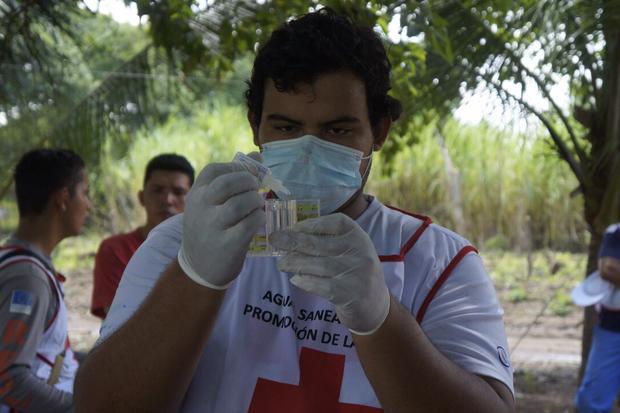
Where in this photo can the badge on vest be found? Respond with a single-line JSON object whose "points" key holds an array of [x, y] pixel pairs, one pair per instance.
{"points": [[21, 302]]}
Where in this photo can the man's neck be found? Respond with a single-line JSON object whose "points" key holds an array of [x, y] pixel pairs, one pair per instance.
{"points": [[356, 205], [145, 229], [39, 231]]}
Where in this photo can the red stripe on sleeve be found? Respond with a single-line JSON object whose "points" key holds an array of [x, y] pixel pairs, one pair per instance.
{"points": [[426, 221], [442, 278], [45, 360]]}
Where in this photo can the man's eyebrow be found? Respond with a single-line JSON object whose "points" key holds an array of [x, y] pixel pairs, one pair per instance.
{"points": [[277, 116], [343, 119]]}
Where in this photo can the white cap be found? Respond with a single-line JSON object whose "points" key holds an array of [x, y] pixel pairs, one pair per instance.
{"points": [[592, 290]]}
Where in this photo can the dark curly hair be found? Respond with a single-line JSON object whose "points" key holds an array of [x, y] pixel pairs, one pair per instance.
{"points": [[318, 43]]}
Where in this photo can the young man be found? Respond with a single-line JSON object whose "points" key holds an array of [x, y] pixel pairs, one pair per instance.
{"points": [[37, 366], [167, 179], [601, 381], [383, 309]]}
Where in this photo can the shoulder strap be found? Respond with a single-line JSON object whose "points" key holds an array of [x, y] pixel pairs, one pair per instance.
{"points": [[20, 251]]}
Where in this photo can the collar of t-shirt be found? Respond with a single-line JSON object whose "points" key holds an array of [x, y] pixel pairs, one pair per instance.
{"points": [[13, 240]]}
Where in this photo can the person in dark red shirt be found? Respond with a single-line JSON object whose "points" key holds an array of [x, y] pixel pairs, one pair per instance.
{"points": [[167, 179]]}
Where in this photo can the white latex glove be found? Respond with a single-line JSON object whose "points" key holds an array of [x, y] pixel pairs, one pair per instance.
{"points": [[223, 211], [333, 257]]}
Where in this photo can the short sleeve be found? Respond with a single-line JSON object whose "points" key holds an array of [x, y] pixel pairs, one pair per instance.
{"points": [[143, 271], [610, 247], [107, 273], [464, 321], [24, 303]]}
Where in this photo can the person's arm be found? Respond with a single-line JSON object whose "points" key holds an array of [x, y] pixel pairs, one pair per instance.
{"points": [[23, 310], [106, 275], [609, 268], [406, 370], [147, 365], [458, 348], [333, 257]]}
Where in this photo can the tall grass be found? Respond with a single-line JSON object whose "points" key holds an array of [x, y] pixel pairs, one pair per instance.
{"points": [[514, 190]]}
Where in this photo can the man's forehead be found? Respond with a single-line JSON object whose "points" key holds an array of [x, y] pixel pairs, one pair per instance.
{"points": [[164, 176], [339, 93]]}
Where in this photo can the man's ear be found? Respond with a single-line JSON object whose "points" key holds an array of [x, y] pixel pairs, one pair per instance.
{"points": [[381, 132], [252, 119], [141, 196], [60, 198]]}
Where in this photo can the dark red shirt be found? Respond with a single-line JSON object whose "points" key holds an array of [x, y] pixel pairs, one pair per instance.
{"points": [[112, 257]]}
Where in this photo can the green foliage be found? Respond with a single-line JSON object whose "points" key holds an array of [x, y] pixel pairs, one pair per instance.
{"points": [[543, 277], [76, 253], [562, 304], [529, 381], [517, 294], [498, 242], [213, 133], [453, 46], [79, 92], [513, 191], [8, 217], [106, 85], [511, 48]]}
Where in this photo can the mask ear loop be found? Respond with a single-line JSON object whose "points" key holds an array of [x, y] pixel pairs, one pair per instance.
{"points": [[369, 157]]}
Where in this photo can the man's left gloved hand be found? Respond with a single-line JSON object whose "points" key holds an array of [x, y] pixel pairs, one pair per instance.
{"points": [[333, 257]]}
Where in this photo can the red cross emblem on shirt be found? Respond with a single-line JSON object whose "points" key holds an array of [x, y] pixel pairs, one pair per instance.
{"points": [[320, 379]]}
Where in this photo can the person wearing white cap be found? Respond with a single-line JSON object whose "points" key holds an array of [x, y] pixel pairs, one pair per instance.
{"points": [[601, 381]]}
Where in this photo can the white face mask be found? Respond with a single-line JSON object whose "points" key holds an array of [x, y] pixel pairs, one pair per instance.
{"points": [[312, 168]]}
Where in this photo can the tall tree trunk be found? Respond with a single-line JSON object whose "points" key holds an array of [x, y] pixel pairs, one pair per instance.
{"points": [[602, 196], [589, 315]]}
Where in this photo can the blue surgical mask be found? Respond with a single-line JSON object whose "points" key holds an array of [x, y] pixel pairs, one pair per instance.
{"points": [[312, 168]]}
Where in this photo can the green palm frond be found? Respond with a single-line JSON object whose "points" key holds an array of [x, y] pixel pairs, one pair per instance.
{"points": [[508, 47], [117, 106]]}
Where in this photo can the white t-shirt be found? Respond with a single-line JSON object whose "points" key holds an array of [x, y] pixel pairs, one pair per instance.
{"points": [[275, 347]]}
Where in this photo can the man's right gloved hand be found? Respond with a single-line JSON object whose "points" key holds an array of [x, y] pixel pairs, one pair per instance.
{"points": [[223, 211]]}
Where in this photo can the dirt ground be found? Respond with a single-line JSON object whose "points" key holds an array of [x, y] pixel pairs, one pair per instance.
{"points": [[545, 360]]}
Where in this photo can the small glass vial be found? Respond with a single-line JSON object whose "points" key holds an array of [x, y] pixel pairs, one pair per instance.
{"points": [[281, 214]]}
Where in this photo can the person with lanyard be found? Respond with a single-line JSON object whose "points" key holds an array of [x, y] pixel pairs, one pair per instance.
{"points": [[37, 365], [368, 308], [167, 180], [601, 380]]}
